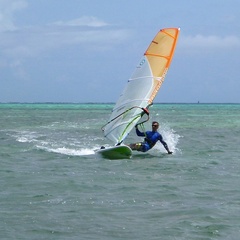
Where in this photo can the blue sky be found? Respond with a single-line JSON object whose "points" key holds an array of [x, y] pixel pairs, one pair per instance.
{"points": [[85, 50]]}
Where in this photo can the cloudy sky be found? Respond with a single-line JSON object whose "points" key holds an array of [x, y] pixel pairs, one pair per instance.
{"points": [[85, 50]]}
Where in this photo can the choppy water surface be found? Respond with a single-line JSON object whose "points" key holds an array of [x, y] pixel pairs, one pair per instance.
{"points": [[53, 186]]}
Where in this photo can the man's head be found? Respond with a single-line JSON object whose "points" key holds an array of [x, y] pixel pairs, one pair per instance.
{"points": [[155, 125]]}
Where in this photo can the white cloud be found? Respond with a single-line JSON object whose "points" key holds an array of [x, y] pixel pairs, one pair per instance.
{"points": [[7, 11], [32, 41], [211, 41], [24, 43], [88, 21]]}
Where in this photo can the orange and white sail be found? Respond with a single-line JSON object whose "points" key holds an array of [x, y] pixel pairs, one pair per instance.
{"points": [[143, 85]]}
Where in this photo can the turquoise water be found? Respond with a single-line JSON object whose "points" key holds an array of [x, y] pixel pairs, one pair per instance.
{"points": [[53, 186]]}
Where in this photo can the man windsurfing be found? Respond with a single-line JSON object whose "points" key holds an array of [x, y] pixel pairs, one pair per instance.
{"points": [[151, 138]]}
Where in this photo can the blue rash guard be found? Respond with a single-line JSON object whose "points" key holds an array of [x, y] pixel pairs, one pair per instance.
{"points": [[151, 137]]}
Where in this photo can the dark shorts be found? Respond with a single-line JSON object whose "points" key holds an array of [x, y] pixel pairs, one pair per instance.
{"points": [[143, 147]]}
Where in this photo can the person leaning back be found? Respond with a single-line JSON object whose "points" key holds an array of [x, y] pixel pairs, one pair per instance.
{"points": [[151, 138]]}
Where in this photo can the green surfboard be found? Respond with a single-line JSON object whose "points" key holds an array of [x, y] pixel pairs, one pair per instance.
{"points": [[116, 152]]}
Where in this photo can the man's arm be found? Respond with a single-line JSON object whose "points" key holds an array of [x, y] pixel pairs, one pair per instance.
{"points": [[165, 145], [140, 134]]}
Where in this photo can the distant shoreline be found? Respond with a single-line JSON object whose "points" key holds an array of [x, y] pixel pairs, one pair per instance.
{"points": [[170, 103]]}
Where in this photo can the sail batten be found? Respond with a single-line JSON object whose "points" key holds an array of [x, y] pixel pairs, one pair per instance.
{"points": [[129, 102], [143, 85], [157, 55], [145, 77]]}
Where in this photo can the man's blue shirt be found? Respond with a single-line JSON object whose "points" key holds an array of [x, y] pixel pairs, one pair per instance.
{"points": [[151, 137]]}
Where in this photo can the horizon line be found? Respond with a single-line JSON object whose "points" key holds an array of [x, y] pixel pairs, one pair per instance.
{"points": [[47, 102]]}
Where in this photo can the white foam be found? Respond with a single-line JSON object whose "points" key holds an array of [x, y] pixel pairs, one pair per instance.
{"points": [[68, 151], [170, 137], [22, 139], [24, 136]]}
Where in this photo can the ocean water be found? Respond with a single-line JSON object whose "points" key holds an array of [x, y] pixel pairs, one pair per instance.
{"points": [[53, 185]]}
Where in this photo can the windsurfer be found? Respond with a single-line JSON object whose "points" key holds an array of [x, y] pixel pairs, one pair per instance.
{"points": [[151, 138]]}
